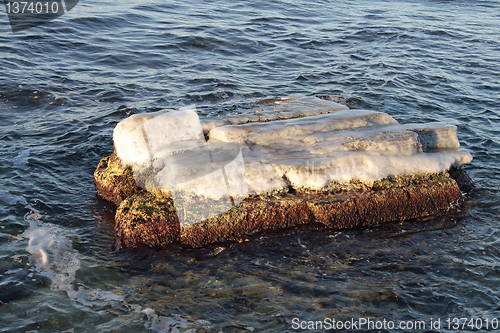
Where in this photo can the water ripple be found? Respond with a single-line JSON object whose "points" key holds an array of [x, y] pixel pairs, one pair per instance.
{"points": [[66, 84]]}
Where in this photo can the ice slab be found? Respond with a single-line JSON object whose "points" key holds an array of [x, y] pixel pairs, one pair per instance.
{"points": [[260, 133], [303, 142], [215, 170], [314, 152], [367, 167], [295, 106], [144, 137], [435, 135]]}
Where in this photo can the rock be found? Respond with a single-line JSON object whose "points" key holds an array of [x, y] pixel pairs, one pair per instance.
{"points": [[465, 183], [146, 219], [314, 162], [113, 182], [149, 219]]}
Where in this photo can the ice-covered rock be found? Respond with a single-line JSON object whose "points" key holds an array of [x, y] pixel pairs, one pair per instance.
{"points": [[309, 144], [306, 160], [264, 133], [313, 152]]}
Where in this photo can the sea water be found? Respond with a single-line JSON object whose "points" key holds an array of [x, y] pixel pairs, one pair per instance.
{"points": [[66, 84]]}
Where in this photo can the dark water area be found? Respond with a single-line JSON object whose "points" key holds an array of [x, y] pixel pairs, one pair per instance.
{"points": [[66, 84]]}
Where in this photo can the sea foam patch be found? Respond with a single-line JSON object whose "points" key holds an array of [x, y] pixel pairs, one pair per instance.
{"points": [[53, 256]]}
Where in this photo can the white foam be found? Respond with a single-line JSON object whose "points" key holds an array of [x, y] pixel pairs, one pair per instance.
{"points": [[52, 255], [163, 323]]}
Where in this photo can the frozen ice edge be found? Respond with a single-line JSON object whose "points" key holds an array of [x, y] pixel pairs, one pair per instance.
{"points": [[302, 142]]}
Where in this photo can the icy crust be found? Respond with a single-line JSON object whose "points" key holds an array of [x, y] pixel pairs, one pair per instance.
{"points": [[310, 144], [263, 133], [144, 137], [212, 170], [314, 153], [295, 106]]}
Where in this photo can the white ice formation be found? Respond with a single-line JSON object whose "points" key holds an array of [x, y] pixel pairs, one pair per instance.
{"points": [[294, 106], [144, 137], [305, 142]]}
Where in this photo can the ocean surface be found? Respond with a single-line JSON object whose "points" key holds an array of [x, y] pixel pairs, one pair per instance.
{"points": [[66, 84]]}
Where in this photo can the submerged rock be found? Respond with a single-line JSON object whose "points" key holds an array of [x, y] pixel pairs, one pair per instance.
{"points": [[311, 161]]}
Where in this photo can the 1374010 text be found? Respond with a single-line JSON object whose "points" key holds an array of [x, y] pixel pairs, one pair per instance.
{"points": [[31, 7], [464, 323]]}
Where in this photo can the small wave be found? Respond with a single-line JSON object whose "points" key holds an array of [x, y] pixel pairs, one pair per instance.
{"points": [[52, 255]]}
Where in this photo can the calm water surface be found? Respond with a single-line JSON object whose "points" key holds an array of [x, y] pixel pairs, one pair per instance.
{"points": [[65, 85]]}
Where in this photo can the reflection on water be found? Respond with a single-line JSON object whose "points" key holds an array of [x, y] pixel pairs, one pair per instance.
{"points": [[65, 85]]}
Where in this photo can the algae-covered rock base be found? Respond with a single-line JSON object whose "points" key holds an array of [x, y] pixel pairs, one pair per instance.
{"points": [[149, 217], [286, 163]]}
